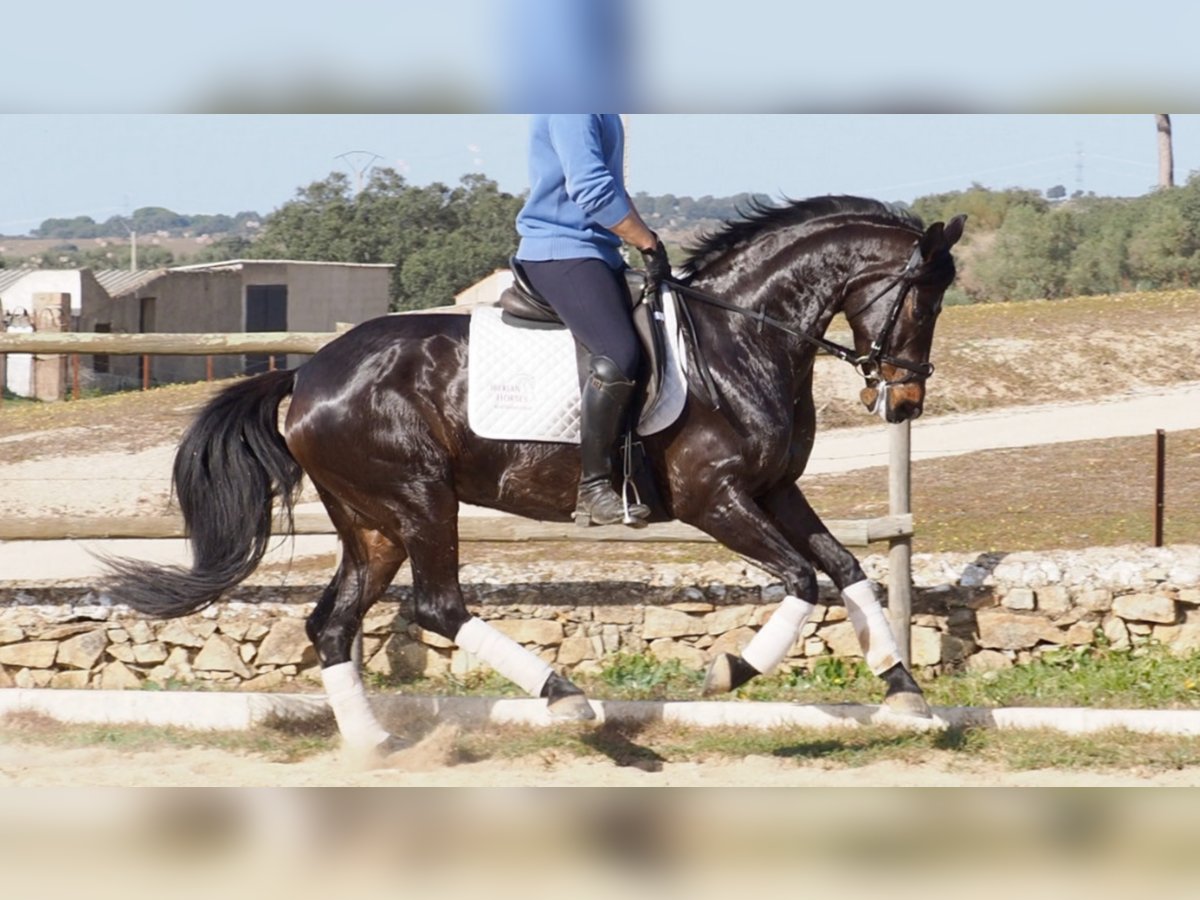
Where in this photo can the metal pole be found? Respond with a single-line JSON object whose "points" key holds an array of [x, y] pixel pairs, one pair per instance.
{"points": [[1160, 480], [900, 549]]}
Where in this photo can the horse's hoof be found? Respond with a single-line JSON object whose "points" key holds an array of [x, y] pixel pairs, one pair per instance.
{"points": [[908, 703], [719, 678], [726, 673], [566, 701], [571, 707], [392, 744]]}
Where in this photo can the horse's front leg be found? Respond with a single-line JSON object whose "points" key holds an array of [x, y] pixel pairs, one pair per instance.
{"points": [[796, 519], [734, 519]]}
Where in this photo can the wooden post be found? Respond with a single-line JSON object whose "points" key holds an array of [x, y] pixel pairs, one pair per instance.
{"points": [[1160, 481], [208, 368], [51, 315], [145, 371], [74, 376], [900, 549]]}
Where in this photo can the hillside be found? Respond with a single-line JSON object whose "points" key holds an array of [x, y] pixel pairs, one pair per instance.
{"points": [[20, 250]]}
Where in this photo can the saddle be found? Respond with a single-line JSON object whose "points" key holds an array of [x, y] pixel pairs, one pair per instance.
{"points": [[523, 307]]}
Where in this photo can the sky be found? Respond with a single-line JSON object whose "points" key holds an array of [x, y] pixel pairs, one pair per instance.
{"points": [[102, 164], [229, 106]]}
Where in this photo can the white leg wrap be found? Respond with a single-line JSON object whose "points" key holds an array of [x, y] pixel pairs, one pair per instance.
{"points": [[348, 698], [767, 649], [504, 655], [872, 627]]}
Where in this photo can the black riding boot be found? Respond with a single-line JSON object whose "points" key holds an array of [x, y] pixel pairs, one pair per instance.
{"points": [[606, 395]]}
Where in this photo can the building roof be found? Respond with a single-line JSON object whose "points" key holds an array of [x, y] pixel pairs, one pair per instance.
{"points": [[121, 281], [9, 277], [232, 265]]}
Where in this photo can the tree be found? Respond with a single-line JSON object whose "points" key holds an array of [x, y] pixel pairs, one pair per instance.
{"points": [[1166, 158], [1058, 192], [1031, 256], [441, 240]]}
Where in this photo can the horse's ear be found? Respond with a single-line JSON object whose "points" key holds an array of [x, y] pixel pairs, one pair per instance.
{"points": [[931, 240], [954, 230], [940, 236]]}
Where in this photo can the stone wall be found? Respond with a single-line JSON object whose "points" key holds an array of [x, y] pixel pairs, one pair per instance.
{"points": [[972, 611]]}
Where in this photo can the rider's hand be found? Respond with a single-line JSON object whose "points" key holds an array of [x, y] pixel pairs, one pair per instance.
{"points": [[658, 267]]}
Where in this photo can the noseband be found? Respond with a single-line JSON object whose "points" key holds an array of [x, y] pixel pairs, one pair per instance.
{"points": [[868, 364]]}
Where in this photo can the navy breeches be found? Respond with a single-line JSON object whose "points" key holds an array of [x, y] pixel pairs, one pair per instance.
{"points": [[593, 300]]}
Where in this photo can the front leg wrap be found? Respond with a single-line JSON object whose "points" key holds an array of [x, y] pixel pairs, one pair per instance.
{"points": [[872, 627], [504, 655], [771, 644]]}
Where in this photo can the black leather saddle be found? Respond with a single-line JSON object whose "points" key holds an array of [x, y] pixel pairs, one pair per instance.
{"points": [[524, 307]]}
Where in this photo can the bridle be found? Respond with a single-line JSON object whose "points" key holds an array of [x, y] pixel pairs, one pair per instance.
{"points": [[868, 365]]}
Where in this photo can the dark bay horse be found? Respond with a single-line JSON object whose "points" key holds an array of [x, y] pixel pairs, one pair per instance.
{"points": [[378, 422]]}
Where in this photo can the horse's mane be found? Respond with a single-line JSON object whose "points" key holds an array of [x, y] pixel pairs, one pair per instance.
{"points": [[759, 216]]}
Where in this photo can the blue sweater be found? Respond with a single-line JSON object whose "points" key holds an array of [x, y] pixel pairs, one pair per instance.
{"points": [[576, 189]]}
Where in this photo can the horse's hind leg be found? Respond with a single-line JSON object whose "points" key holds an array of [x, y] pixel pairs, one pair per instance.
{"points": [[800, 524], [369, 563], [428, 526]]}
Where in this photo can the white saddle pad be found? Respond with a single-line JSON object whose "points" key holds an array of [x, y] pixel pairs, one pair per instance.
{"points": [[523, 383]]}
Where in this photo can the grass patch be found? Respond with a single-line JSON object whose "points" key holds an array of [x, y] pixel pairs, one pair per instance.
{"points": [[283, 741], [1143, 677], [652, 745], [642, 676], [1146, 677]]}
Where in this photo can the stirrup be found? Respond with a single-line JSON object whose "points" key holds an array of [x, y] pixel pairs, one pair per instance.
{"points": [[636, 512], [599, 497]]}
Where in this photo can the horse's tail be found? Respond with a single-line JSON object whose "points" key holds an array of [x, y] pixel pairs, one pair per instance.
{"points": [[231, 466]]}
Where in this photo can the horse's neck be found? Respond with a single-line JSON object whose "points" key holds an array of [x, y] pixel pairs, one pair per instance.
{"points": [[801, 290], [801, 286]]}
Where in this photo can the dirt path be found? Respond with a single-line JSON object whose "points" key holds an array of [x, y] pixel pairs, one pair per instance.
{"points": [[1136, 413], [428, 765]]}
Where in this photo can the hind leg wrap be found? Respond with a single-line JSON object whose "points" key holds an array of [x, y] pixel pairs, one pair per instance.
{"points": [[771, 644], [504, 655], [348, 699], [872, 627]]}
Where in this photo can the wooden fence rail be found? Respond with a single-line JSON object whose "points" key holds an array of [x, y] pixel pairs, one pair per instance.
{"points": [[507, 529], [167, 344]]}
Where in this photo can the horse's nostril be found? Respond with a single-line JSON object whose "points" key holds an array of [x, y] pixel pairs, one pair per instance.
{"points": [[904, 411]]}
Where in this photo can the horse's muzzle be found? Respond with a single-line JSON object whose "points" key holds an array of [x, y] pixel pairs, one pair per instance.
{"points": [[894, 403]]}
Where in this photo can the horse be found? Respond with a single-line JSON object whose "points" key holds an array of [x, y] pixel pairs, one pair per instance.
{"points": [[377, 421]]}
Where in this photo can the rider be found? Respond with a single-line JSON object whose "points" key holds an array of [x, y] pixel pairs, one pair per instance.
{"points": [[571, 228]]}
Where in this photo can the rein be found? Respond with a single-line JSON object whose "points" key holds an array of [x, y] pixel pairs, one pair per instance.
{"points": [[867, 365]]}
